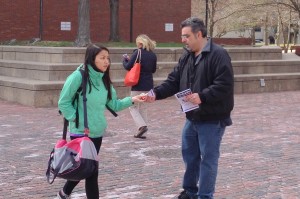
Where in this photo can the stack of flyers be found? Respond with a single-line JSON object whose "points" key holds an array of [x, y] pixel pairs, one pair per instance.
{"points": [[185, 105], [151, 93]]}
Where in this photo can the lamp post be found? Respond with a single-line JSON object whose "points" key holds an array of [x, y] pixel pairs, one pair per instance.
{"points": [[41, 20], [206, 12], [131, 20]]}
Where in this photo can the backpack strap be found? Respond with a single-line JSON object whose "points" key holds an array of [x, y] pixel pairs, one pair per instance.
{"points": [[111, 111], [65, 128], [83, 84], [83, 89], [77, 97]]}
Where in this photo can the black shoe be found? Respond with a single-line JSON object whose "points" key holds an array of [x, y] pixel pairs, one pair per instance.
{"points": [[61, 195], [184, 195], [141, 132]]}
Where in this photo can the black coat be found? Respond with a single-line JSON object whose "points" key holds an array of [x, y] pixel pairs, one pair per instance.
{"points": [[210, 75], [148, 67]]}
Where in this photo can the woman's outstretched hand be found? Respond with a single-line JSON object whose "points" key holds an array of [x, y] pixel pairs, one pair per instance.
{"points": [[144, 97], [139, 98]]}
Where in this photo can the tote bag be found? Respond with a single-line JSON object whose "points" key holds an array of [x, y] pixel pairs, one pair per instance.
{"points": [[132, 77], [74, 160]]}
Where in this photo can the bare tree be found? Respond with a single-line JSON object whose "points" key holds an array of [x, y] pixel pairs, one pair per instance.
{"points": [[243, 17], [114, 20], [283, 26], [291, 4], [294, 7], [83, 34], [226, 16]]}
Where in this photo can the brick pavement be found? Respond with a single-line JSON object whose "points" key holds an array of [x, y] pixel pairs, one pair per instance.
{"points": [[260, 152]]}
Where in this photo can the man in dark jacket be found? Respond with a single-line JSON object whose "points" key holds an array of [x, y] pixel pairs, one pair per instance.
{"points": [[206, 69]]}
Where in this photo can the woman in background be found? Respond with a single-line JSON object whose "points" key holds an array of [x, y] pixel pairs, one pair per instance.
{"points": [[148, 67]]}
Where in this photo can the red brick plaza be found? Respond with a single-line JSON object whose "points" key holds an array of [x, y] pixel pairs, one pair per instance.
{"points": [[260, 152]]}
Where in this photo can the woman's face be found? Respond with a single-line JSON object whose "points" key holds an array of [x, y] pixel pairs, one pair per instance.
{"points": [[102, 60]]}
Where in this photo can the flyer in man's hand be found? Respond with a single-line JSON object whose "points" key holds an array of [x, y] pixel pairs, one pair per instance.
{"points": [[186, 105], [151, 93]]}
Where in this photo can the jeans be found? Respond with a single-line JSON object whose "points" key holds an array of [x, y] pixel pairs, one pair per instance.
{"points": [[91, 183], [200, 151]]}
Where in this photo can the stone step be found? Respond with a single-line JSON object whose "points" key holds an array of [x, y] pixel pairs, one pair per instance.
{"points": [[39, 93], [36, 70], [73, 54], [271, 82], [255, 53], [29, 92], [266, 66], [162, 70], [60, 71], [76, 55]]}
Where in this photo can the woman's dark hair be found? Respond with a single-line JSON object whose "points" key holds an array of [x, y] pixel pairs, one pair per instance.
{"points": [[90, 55], [196, 24]]}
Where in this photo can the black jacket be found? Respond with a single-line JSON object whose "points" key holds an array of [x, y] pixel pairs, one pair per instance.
{"points": [[210, 75], [148, 67]]}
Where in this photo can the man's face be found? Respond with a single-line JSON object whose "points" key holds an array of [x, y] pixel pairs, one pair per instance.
{"points": [[190, 39]]}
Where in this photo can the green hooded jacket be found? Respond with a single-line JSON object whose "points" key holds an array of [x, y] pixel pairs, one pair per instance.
{"points": [[96, 101]]}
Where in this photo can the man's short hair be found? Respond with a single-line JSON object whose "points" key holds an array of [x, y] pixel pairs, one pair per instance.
{"points": [[196, 24]]}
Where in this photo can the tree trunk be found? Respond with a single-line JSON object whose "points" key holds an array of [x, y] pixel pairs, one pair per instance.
{"points": [[253, 35], [296, 33], [266, 35], [83, 34], [278, 33], [285, 32], [114, 20]]}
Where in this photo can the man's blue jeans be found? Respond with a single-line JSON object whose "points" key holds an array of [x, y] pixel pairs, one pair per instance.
{"points": [[200, 151]]}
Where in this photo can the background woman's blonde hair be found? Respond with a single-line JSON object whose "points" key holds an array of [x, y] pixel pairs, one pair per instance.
{"points": [[147, 43]]}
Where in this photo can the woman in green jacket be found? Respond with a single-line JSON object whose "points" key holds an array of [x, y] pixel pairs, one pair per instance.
{"points": [[100, 93]]}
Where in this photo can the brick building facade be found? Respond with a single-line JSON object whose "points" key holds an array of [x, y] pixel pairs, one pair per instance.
{"points": [[160, 19]]}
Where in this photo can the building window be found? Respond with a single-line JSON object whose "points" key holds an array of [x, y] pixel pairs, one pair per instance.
{"points": [[257, 29]]}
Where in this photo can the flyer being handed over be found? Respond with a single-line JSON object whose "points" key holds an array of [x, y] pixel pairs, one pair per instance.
{"points": [[185, 105]]}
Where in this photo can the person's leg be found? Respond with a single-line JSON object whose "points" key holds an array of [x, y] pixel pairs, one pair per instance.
{"points": [[209, 137], [91, 183], [138, 116], [143, 108], [91, 186], [69, 186], [191, 158]]}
